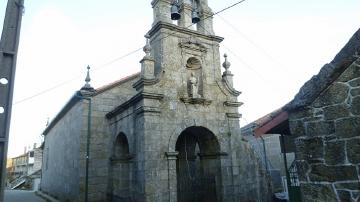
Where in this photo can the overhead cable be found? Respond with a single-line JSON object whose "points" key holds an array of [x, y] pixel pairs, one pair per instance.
{"points": [[116, 59]]}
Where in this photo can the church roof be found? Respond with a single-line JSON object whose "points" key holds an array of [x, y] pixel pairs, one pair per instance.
{"points": [[116, 83], [277, 119], [77, 97]]}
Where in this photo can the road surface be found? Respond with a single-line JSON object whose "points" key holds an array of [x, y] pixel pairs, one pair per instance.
{"points": [[21, 196]]}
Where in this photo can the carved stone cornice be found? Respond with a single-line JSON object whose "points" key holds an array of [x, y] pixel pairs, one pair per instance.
{"points": [[233, 104], [146, 109], [177, 29], [140, 96], [212, 155], [149, 95], [121, 159], [147, 82], [193, 45], [233, 115], [229, 88], [154, 2], [172, 155], [202, 101]]}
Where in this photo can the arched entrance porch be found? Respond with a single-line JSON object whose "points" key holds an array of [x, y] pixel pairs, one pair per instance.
{"points": [[198, 166]]}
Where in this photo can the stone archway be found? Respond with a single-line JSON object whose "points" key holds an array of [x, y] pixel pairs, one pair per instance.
{"points": [[119, 178], [198, 166]]}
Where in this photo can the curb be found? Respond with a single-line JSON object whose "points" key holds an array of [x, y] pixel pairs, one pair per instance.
{"points": [[46, 197]]}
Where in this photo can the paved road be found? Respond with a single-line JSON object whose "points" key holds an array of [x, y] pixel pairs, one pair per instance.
{"points": [[21, 196]]}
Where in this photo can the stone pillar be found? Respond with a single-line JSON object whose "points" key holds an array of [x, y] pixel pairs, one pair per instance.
{"points": [[147, 63], [185, 11], [231, 163], [161, 10], [147, 68], [227, 181], [205, 26], [171, 158]]}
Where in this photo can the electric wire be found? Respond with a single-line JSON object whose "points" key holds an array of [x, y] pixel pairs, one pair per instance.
{"points": [[246, 64], [117, 59], [239, 58], [210, 16], [235, 4], [76, 77], [260, 156], [262, 50]]}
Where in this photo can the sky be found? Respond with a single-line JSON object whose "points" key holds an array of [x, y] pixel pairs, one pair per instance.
{"points": [[274, 48]]}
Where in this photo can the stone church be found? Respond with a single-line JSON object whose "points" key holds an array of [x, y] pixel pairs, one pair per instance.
{"points": [[168, 133]]}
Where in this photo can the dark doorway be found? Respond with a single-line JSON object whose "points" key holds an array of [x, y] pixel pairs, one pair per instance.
{"points": [[198, 167]]}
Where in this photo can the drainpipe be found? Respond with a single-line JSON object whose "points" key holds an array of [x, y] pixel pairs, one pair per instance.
{"points": [[87, 144], [265, 156], [286, 167]]}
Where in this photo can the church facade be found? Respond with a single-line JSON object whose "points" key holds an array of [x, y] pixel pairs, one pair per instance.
{"points": [[168, 133]]}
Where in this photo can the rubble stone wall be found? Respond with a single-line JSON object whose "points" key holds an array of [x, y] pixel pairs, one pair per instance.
{"points": [[328, 143]]}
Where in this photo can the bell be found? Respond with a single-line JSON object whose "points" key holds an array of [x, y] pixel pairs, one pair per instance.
{"points": [[195, 16], [175, 15]]}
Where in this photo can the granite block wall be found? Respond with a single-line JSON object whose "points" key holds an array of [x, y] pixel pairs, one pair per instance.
{"points": [[60, 168]]}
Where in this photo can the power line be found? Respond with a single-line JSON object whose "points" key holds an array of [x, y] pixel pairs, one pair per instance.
{"points": [[246, 64], [46, 90], [210, 16], [75, 78], [266, 53], [239, 58], [117, 59], [235, 4], [234, 54]]}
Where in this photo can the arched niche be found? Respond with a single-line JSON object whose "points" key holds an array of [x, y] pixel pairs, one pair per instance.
{"points": [[120, 170], [193, 63], [121, 147], [194, 77]]}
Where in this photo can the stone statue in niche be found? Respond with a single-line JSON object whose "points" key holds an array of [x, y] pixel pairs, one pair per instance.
{"points": [[193, 86]]}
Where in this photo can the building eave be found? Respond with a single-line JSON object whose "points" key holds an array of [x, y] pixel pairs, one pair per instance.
{"points": [[272, 123], [275, 121], [72, 102]]}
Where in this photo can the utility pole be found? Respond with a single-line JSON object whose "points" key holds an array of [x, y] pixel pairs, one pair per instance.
{"points": [[8, 52]]}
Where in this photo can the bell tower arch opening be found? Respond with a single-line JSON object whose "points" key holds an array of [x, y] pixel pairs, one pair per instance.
{"points": [[198, 167]]}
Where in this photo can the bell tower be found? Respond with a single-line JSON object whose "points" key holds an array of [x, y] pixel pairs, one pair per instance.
{"points": [[187, 10], [184, 46], [186, 132]]}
